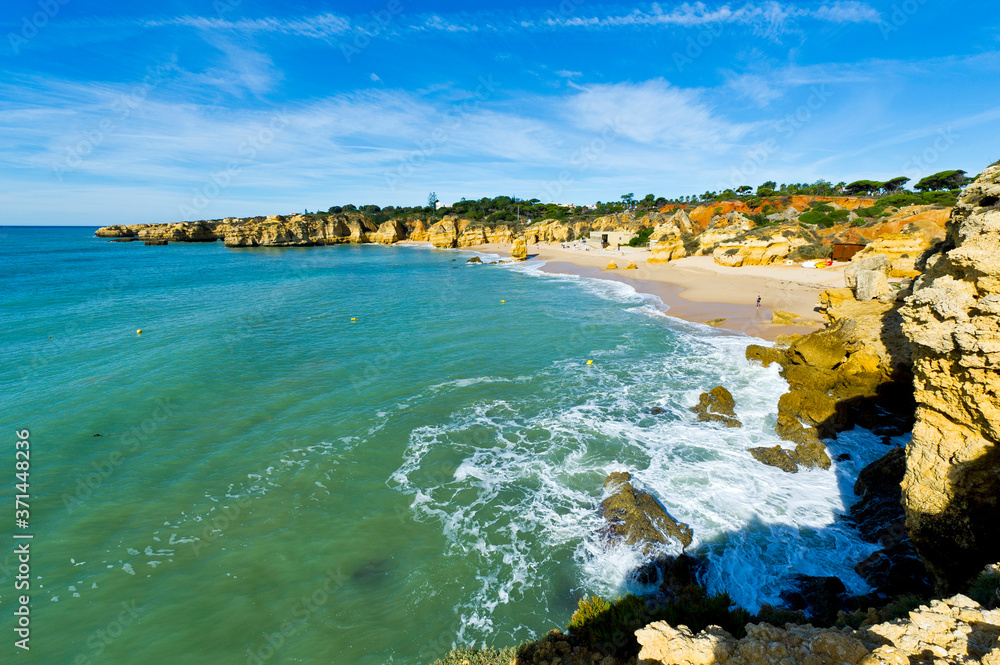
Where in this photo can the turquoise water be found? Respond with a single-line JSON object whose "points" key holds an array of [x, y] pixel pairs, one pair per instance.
{"points": [[276, 483]]}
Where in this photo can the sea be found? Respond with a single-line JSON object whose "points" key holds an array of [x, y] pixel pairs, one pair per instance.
{"points": [[365, 454]]}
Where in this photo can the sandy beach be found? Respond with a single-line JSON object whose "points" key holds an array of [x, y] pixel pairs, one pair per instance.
{"points": [[697, 289]]}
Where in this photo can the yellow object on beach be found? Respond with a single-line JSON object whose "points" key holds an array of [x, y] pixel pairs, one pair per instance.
{"points": [[590, 362], [139, 331]]}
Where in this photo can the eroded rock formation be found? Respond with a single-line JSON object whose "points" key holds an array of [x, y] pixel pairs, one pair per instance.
{"points": [[952, 483], [636, 517], [956, 630]]}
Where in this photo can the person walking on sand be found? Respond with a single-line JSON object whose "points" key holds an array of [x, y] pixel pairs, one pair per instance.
{"points": [[758, 303]]}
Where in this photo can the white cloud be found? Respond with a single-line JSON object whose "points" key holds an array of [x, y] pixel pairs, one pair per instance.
{"points": [[653, 113]]}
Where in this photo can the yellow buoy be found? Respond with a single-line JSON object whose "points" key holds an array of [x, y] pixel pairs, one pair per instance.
{"points": [[139, 331], [502, 301], [590, 362], [354, 318]]}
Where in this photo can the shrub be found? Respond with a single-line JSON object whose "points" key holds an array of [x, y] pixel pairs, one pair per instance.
{"points": [[641, 238], [732, 251], [691, 245], [986, 590], [809, 252], [601, 624], [478, 656]]}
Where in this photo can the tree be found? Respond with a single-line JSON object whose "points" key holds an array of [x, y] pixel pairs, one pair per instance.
{"points": [[743, 190], [628, 200], [894, 185], [863, 187], [432, 200], [942, 180]]}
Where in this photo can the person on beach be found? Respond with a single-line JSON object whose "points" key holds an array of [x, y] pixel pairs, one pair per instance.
{"points": [[758, 303]]}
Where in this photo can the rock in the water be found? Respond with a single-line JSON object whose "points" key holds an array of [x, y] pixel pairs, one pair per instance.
{"points": [[776, 457], [765, 354], [717, 405], [519, 251], [951, 490], [818, 597], [475, 259], [808, 454], [636, 517]]}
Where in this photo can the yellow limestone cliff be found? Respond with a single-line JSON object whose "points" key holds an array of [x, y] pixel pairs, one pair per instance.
{"points": [[952, 483]]}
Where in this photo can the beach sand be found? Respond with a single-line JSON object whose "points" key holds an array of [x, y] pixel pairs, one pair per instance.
{"points": [[697, 289]]}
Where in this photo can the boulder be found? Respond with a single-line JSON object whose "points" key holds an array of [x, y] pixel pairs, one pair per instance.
{"points": [[475, 259], [775, 456], [862, 263], [824, 348], [717, 405], [765, 355], [636, 517], [611, 266], [871, 284], [631, 266], [519, 251]]}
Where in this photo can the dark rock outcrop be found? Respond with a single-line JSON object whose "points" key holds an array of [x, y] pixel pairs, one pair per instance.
{"points": [[717, 405], [636, 517]]}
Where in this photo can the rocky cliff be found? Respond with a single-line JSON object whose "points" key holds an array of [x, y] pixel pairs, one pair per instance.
{"points": [[956, 630], [952, 482]]}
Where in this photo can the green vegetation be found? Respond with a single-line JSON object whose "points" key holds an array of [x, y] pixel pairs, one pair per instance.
{"points": [[809, 252], [985, 590], [823, 215], [465, 656], [942, 180], [641, 238], [598, 622], [938, 189]]}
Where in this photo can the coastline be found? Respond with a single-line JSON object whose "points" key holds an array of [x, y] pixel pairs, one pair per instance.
{"points": [[696, 289]]}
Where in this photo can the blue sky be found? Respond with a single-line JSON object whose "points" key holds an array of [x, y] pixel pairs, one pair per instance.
{"points": [[123, 112]]}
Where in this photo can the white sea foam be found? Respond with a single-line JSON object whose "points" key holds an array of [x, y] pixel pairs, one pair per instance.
{"points": [[530, 487]]}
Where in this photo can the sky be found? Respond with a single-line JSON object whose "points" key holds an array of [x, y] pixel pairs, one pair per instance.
{"points": [[116, 112]]}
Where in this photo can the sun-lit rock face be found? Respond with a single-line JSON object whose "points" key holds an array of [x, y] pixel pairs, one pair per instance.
{"points": [[956, 630], [952, 483]]}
